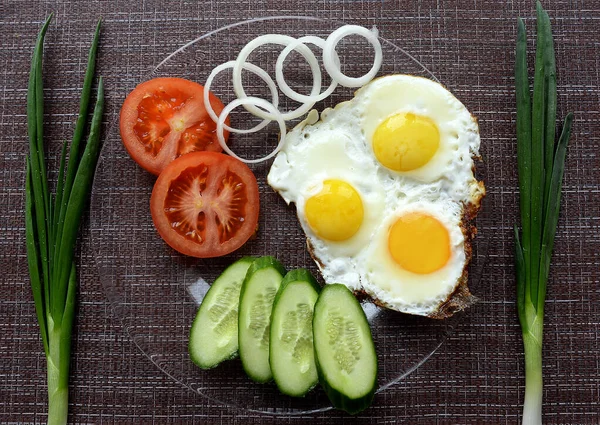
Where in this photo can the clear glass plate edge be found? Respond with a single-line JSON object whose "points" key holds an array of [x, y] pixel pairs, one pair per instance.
{"points": [[117, 306]]}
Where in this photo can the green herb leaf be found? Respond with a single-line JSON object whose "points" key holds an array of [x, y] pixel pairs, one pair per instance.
{"points": [[39, 119], [33, 260], [74, 154], [67, 328], [39, 185], [77, 200], [60, 186], [521, 278], [552, 209], [523, 139], [537, 153], [550, 83]]}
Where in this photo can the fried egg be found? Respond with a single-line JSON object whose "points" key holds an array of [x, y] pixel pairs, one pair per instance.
{"points": [[420, 134], [383, 186], [417, 256], [338, 198]]}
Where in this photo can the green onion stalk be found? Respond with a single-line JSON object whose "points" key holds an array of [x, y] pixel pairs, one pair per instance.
{"points": [[541, 163], [52, 222]]}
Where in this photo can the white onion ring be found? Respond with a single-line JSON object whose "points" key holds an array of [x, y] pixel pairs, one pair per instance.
{"points": [[335, 71], [285, 88], [283, 40], [255, 70], [256, 101]]}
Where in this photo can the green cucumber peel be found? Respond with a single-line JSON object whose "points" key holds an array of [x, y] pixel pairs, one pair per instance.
{"points": [[344, 350], [214, 331]]}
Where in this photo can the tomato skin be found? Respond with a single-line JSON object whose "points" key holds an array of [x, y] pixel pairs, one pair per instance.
{"points": [[164, 118], [181, 194]]}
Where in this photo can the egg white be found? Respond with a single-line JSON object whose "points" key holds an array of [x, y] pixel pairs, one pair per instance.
{"points": [[409, 292], [314, 154], [450, 169]]}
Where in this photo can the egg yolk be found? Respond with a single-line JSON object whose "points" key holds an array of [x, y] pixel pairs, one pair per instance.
{"points": [[336, 212], [419, 243], [405, 142]]}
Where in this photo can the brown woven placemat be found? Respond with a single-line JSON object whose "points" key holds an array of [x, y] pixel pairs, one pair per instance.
{"points": [[477, 376]]}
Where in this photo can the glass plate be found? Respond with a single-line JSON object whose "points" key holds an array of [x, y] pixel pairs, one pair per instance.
{"points": [[155, 291]]}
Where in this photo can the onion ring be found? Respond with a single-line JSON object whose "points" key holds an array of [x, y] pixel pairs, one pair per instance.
{"points": [[256, 101], [255, 70], [335, 71], [283, 40], [285, 88]]}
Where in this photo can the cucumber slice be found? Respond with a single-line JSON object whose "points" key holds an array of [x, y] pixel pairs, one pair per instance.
{"points": [[214, 332], [256, 302], [291, 352], [344, 350]]}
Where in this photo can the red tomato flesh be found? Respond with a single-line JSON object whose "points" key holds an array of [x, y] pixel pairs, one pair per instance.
{"points": [[164, 118], [205, 204]]}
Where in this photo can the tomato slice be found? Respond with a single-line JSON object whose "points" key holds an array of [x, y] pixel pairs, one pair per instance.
{"points": [[205, 204], [164, 118]]}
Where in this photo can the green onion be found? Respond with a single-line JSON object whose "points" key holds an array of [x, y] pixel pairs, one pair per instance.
{"points": [[52, 223], [541, 166]]}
